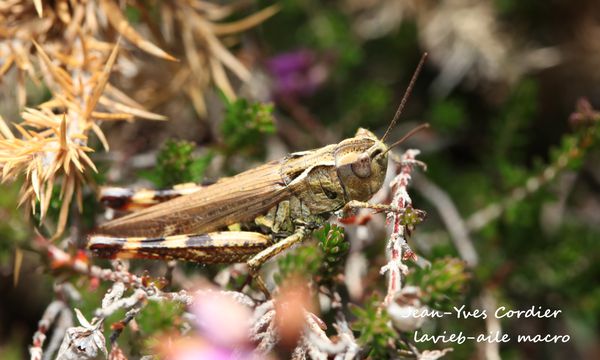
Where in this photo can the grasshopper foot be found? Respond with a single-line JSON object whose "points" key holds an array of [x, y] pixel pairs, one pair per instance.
{"points": [[255, 275]]}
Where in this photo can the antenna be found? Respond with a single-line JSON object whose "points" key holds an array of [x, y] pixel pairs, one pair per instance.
{"points": [[409, 134], [406, 95]]}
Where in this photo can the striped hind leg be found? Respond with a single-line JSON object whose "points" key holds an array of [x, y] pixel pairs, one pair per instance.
{"points": [[223, 247]]}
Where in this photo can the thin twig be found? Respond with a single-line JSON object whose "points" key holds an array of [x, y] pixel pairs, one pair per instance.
{"points": [[397, 244], [451, 217]]}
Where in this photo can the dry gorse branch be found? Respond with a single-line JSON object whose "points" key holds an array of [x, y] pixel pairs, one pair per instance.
{"points": [[203, 36], [70, 48], [53, 144]]}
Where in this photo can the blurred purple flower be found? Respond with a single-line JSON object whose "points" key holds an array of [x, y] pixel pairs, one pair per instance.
{"points": [[221, 319], [297, 74], [223, 329]]}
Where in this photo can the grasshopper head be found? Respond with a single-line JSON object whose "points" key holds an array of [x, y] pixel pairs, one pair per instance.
{"points": [[361, 164], [361, 161]]}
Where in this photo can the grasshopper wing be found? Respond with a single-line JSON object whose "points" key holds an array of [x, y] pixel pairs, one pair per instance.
{"points": [[231, 200]]}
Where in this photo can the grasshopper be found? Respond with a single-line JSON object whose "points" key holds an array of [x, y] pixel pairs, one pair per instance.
{"points": [[272, 207]]}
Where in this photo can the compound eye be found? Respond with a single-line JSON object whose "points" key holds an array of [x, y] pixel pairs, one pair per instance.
{"points": [[362, 166]]}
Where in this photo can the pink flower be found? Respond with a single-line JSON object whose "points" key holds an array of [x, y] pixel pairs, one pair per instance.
{"points": [[221, 319]]}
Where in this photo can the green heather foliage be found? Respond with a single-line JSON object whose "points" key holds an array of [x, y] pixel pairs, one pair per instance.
{"points": [[304, 261], [334, 248], [410, 217], [176, 164], [373, 324], [321, 260], [245, 124], [442, 283]]}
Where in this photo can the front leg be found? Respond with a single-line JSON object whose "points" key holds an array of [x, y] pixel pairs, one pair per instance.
{"points": [[265, 255], [354, 204]]}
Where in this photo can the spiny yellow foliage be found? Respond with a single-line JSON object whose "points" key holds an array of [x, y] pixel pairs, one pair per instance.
{"points": [[54, 135], [69, 46], [52, 146]]}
